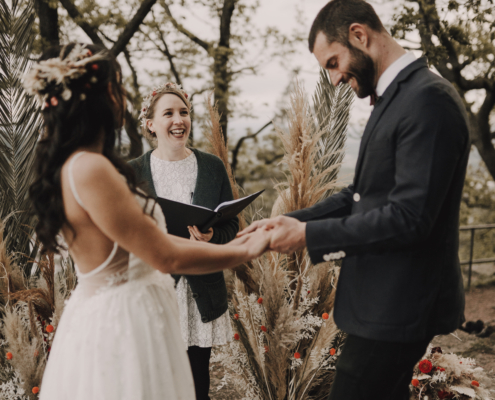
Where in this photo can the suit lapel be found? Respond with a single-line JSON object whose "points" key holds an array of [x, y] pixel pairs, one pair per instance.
{"points": [[380, 108]]}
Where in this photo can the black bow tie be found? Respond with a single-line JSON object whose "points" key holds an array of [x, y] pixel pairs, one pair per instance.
{"points": [[374, 98]]}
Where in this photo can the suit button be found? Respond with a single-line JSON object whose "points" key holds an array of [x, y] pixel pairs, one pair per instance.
{"points": [[356, 197], [204, 320], [195, 295]]}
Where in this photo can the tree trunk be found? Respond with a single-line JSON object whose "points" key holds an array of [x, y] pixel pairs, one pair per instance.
{"points": [[221, 80], [132, 129], [48, 18]]}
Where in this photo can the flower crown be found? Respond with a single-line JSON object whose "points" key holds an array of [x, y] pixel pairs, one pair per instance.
{"points": [[60, 71], [169, 87]]}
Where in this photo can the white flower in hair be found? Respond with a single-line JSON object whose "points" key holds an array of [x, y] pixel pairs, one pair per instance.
{"points": [[59, 71]]}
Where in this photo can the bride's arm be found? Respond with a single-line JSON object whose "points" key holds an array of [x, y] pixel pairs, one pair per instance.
{"points": [[114, 210]]}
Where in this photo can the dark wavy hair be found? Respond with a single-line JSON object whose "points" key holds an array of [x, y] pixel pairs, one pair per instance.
{"points": [[95, 108]]}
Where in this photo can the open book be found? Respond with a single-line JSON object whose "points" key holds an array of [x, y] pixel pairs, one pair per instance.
{"points": [[180, 215]]}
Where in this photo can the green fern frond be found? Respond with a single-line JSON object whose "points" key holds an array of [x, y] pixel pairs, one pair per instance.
{"points": [[332, 107]]}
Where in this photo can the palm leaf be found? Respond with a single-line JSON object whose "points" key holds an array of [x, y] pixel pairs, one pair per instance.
{"points": [[20, 125], [332, 105]]}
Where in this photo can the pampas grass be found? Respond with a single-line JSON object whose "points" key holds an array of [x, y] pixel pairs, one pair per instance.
{"points": [[283, 347], [28, 306]]}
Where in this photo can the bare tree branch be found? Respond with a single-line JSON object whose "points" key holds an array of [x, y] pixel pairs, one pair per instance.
{"points": [[135, 82], [133, 25], [79, 20], [167, 53], [238, 146], [201, 43]]}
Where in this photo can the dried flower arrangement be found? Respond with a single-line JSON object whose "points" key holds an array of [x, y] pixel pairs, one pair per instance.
{"points": [[286, 343], [448, 376], [30, 310]]}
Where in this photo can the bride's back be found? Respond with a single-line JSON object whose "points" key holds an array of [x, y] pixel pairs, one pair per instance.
{"points": [[89, 246]]}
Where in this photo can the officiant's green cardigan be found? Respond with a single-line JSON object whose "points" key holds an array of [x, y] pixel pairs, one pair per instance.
{"points": [[212, 188]]}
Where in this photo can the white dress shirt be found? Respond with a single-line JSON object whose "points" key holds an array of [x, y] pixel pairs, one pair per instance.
{"points": [[392, 71]]}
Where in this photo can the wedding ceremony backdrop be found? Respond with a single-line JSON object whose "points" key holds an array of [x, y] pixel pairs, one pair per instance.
{"points": [[285, 344]]}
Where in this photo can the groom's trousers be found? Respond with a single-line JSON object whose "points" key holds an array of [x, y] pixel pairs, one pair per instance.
{"points": [[371, 369]]}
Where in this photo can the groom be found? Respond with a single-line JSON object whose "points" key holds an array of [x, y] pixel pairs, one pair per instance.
{"points": [[397, 224]]}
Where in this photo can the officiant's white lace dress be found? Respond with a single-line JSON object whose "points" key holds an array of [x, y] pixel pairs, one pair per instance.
{"points": [[119, 336]]}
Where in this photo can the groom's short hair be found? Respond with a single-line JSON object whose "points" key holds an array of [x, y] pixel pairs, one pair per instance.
{"points": [[337, 16]]}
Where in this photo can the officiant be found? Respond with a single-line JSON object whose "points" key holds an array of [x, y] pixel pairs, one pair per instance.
{"points": [[177, 172]]}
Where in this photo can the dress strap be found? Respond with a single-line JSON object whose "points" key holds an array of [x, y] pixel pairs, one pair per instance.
{"points": [[71, 179]]}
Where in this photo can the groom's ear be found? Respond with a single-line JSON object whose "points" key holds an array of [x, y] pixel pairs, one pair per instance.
{"points": [[359, 36]]}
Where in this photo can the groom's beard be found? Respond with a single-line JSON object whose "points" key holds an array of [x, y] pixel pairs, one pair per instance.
{"points": [[362, 69]]}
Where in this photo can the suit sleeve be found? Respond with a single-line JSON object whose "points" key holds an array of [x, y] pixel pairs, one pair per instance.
{"points": [[338, 205], [224, 233], [430, 142]]}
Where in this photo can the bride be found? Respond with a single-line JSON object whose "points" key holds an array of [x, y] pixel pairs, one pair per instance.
{"points": [[119, 336]]}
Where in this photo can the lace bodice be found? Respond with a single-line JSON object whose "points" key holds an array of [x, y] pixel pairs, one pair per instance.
{"points": [[176, 180]]}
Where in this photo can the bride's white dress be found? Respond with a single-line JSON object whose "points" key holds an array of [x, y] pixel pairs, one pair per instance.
{"points": [[119, 336]]}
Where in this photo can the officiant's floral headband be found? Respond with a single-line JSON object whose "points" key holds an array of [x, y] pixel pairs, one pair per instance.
{"points": [[150, 100], [49, 80]]}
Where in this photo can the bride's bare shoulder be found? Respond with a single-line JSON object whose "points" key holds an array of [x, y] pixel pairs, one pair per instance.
{"points": [[88, 166]]}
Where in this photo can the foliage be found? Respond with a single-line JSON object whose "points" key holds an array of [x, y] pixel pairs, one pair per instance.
{"points": [[458, 38], [286, 342], [477, 208], [20, 125]]}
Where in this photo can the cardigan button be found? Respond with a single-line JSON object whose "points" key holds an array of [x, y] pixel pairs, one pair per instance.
{"points": [[204, 320], [195, 295], [356, 197]]}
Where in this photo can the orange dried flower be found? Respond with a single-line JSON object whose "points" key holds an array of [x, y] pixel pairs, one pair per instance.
{"points": [[49, 328], [9, 356], [266, 349], [325, 316], [332, 351], [236, 336], [415, 382], [236, 316], [260, 300], [95, 67], [36, 353], [475, 383], [297, 355], [36, 390], [263, 328], [54, 101]]}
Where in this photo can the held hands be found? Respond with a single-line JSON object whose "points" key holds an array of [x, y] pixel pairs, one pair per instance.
{"points": [[197, 235], [255, 243], [286, 234]]}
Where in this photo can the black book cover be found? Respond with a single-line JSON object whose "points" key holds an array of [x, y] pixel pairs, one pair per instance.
{"points": [[179, 216]]}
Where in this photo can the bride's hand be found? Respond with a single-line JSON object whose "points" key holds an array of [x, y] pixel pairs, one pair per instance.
{"points": [[256, 243]]}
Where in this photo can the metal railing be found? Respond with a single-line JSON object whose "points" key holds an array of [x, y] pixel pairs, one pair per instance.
{"points": [[470, 262]]}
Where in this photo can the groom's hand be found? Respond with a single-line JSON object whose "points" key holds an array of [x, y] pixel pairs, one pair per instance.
{"points": [[287, 234]]}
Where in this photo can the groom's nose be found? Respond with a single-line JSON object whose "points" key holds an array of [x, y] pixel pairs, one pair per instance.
{"points": [[336, 77]]}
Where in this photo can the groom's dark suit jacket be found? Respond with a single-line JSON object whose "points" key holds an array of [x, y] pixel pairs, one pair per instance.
{"points": [[398, 222]]}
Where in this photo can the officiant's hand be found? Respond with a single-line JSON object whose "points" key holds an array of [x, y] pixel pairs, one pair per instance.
{"points": [[287, 234], [197, 235]]}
